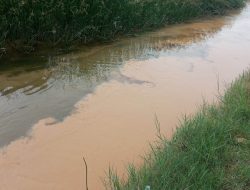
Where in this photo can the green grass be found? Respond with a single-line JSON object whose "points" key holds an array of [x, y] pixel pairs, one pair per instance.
{"points": [[210, 150], [25, 24]]}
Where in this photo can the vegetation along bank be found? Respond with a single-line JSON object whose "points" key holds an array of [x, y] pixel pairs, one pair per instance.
{"points": [[208, 151], [27, 24]]}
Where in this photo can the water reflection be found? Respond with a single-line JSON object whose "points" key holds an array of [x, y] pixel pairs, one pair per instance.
{"points": [[35, 88]]}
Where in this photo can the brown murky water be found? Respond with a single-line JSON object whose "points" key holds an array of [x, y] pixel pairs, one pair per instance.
{"points": [[108, 97]]}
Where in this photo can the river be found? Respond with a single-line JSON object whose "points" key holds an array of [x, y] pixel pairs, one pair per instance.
{"points": [[101, 102]]}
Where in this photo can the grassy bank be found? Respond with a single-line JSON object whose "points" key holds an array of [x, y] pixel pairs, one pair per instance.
{"points": [[209, 151], [25, 24]]}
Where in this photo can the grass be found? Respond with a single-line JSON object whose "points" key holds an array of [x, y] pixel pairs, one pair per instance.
{"points": [[208, 151], [25, 24]]}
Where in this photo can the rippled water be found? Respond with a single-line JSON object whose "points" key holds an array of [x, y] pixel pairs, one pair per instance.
{"points": [[100, 102]]}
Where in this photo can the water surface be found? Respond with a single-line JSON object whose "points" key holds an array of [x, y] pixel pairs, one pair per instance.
{"points": [[50, 86], [101, 102]]}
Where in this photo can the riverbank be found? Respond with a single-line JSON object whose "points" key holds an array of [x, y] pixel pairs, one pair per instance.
{"points": [[208, 151], [27, 25]]}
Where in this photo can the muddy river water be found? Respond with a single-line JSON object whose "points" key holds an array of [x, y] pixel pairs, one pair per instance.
{"points": [[100, 102]]}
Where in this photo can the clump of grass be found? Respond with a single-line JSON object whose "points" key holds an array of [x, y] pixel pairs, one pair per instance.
{"points": [[24, 24], [208, 151]]}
